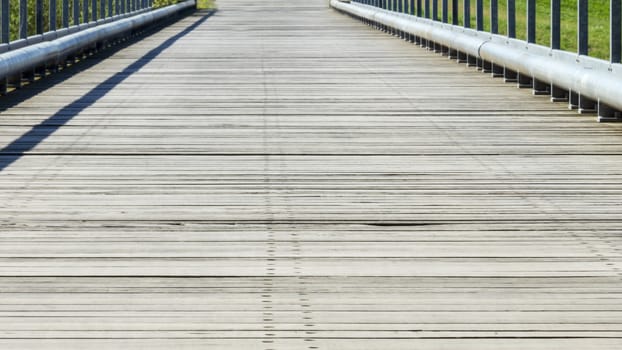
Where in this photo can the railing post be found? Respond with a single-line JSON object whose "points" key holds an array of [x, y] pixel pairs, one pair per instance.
{"points": [[494, 16], [479, 14], [445, 8], [85, 11], [76, 12], [52, 15], [511, 19], [582, 30], [531, 21], [555, 24], [23, 19], [454, 12], [5, 20], [616, 31], [65, 13], [39, 16], [467, 13]]}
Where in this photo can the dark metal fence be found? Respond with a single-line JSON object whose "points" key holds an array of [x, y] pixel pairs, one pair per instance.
{"points": [[22, 18], [462, 14]]}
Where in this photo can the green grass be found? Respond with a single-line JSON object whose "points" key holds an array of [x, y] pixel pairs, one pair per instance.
{"points": [[598, 23]]}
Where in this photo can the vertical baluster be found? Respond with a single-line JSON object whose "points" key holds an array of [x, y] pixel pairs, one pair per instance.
{"points": [[76, 12], [435, 10], [511, 18], [427, 8], [454, 12], [582, 23], [102, 9], [23, 19], [94, 10], [419, 8], [479, 14], [616, 31], [39, 16], [467, 13], [65, 13], [531, 21], [555, 24], [5, 20], [494, 16], [445, 9], [411, 8], [400, 6], [110, 8], [85, 11], [52, 15]]}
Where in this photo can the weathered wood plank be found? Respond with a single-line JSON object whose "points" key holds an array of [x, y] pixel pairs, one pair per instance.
{"points": [[282, 177]]}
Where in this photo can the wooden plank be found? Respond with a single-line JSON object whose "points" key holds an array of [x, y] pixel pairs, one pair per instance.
{"points": [[283, 177]]}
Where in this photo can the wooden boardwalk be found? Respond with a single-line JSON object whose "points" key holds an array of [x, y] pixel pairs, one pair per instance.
{"points": [[279, 176]]}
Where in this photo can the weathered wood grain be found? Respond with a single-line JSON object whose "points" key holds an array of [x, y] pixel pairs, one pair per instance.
{"points": [[280, 176]]}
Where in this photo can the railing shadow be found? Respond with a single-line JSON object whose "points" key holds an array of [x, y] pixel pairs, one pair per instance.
{"points": [[28, 141]]}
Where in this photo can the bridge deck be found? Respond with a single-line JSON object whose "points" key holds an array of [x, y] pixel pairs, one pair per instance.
{"points": [[279, 176]]}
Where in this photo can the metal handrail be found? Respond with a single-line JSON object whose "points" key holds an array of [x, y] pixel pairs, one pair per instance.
{"points": [[588, 84], [75, 15], [418, 9], [55, 49]]}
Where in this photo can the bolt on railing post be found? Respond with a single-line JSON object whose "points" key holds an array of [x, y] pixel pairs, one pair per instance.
{"points": [[511, 18], [616, 31], [39, 16], [454, 12], [531, 21], [466, 13], [445, 8], [582, 24], [23, 19], [5, 20], [494, 16], [52, 13], [555, 24], [479, 14]]}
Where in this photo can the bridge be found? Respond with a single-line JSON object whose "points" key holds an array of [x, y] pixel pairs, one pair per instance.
{"points": [[278, 175]]}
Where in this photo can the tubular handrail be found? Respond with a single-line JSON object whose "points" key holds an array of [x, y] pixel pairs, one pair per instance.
{"points": [[75, 15], [587, 83], [55, 50]]}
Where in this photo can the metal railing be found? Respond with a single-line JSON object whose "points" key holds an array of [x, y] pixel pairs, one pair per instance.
{"points": [[37, 55], [587, 83], [38, 16]]}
